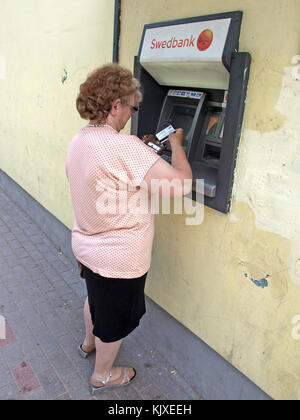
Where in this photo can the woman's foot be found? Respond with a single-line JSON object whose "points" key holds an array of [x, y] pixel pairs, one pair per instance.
{"points": [[117, 377], [87, 348], [85, 351]]}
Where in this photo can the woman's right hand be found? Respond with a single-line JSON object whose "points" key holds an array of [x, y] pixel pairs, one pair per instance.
{"points": [[176, 139], [178, 170]]}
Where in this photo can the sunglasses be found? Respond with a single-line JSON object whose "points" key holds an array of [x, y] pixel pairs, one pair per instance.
{"points": [[133, 109]]}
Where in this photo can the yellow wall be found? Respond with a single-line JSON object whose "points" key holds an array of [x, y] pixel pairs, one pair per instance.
{"points": [[202, 275], [47, 48]]}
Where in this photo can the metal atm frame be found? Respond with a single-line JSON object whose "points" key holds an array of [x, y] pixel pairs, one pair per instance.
{"points": [[218, 172]]}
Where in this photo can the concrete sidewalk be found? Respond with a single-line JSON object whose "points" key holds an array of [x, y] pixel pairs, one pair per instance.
{"points": [[41, 299]]}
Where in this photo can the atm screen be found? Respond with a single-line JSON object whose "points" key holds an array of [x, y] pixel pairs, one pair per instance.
{"points": [[183, 118]]}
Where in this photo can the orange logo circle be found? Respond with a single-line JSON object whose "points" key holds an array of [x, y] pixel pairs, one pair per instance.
{"points": [[205, 39]]}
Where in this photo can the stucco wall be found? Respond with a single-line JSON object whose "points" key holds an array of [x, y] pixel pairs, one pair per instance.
{"points": [[47, 48], [210, 277]]}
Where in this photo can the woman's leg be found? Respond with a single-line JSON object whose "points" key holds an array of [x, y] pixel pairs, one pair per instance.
{"points": [[105, 357], [89, 340]]}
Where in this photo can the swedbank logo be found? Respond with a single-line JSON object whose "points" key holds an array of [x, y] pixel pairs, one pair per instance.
{"points": [[204, 41]]}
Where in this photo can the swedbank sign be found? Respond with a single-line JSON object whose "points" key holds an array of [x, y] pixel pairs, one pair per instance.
{"points": [[204, 41], [191, 41]]}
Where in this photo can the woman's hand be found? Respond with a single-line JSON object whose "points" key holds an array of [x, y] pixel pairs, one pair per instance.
{"points": [[176, 139]]}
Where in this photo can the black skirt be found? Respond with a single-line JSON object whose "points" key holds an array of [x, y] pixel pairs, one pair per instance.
{"points": [[116, 305]]}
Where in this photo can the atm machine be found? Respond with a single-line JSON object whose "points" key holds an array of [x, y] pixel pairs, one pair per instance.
{"points": [[194, 77]]}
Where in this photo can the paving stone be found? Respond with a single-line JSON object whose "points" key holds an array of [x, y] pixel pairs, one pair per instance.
{"points": [[5, 269], [36, 324], [36, 255], [4, 293], [180, 394], [53, 276], [10, 392], [35, 273], [129, 392], [18, 269], [10, 259], [10, 281], [107, 395], [51, 384], [5, 375], [47, 341], [38, 361], [44, 308], [42, 265], [64, 397], [69, 263], [20, 253], [44, 248], [77, 388], [163, 379], [51, 257], [79, 288], [13, 355], [29, 246], [36, 295], [4, 229], [55, 324], [59, 266], [15, 323], [13, 242], [153, 393], [61, 363], [2, 361], [25, 378], [83, 366], [7, 305], [69, 345], [17, 293], [45, 286], [35, 395], [26, 307], [72, 302], [27, 341], [61, 288]]}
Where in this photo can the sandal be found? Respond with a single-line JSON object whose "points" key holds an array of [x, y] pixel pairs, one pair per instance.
{"points": [[126, 380], [84, 353]]}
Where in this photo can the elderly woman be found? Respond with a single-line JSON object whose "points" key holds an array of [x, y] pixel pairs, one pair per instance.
{"points": [[113, 245]]}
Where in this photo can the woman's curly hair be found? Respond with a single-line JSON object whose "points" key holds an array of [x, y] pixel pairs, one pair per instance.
{"points": [[102, 87]]}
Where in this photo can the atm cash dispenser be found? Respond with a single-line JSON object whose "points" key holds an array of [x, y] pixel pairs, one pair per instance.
{"points": [[193, 77]]}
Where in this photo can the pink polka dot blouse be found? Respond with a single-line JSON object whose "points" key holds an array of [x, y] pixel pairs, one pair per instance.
{"points": [[113, 226]]}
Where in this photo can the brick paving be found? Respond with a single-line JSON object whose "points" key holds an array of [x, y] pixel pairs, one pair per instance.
{"points": [[41, 299]]}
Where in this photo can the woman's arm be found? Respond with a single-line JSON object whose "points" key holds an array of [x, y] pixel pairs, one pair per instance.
{"points": [[178, 175]]}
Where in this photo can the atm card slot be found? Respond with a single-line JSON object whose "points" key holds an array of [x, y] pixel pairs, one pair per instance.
{"points": [[212, 154]]}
